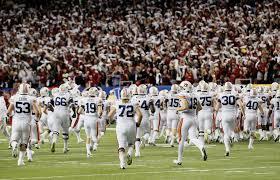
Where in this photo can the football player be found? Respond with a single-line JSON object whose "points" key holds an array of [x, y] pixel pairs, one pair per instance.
{"points": [[228, 102], [251, 104], [126, 125], [3, 116], [205, 115], [187, 125], [91, 108], [22, 105], [275, 109], [173, 103], [62, 102], [157, 105]]}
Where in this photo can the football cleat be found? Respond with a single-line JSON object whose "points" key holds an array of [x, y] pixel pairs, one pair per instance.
{"points": [[177, 162], [15, 152], [129, 160], [53, 147], [137, 154], [276, 139], [89, 155], [20, 163], [204, 154], [94, 148], [65, 150], [80, 141], [227, 154], [250, 147]]}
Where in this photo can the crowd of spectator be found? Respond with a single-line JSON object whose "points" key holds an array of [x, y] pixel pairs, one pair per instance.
{"points": [[141, 42]]}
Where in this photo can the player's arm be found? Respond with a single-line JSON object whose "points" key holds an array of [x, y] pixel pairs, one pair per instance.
{"points": [[111, 113], [139, 116], [152, 107], [10, 109], [36, 109], [183, 105], [198, 108], [217, 105], [270, 108], [50, 105], [99, 109], [261, 109]]}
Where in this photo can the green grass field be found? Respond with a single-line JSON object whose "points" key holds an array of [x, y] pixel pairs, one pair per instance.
{"points": [[156, 163]]}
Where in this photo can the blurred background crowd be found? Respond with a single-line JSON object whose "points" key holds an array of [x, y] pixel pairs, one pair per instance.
{"points": [[159, 42]]}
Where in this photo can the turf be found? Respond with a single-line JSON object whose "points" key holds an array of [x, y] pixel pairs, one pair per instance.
{"points": [[156, 163]]}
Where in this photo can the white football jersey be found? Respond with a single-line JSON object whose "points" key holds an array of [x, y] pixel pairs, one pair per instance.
{"points": [[62, 101], [143, 102], [228, 101], [206, 100], [156, 101], [76, 101], [105, 106], [265, 100], [251, 104], [173, 102], [125, 112], [3, 107], [90, 105], [43, 101], [275, 102], [192, 102], [22, 106]]}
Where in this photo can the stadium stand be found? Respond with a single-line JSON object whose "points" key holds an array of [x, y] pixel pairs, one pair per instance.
{"points": [[156, 42]]}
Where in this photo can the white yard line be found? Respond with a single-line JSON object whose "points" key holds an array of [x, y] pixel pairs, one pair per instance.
{"points": [[181, 170]]}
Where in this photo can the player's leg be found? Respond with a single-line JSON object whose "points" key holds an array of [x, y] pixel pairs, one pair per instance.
{"points": [[122, 141], [201, 126], [138, 141], [3, 128], [146, 129], [15, 137], [174, 125], [276, 126], [183, 127], [88, 135], [56, 125], [25, 133], [43, 126], [169, 127], [65, 133], [163, 124], [253, 124], [194, 140], [130, 141], [156, 125], [208, 126], [94, 133], [228, 127]]}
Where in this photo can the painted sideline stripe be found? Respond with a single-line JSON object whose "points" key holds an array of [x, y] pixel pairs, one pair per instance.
{"points": [[150, 172]]}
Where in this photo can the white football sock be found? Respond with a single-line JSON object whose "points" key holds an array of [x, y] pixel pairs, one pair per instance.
{"points": [[198, 144], [162, 131], [155, 134], [88, 148], [54, 138], [180, 151], [65, 141], [130, 151], [227, 143], [122, 157], [137, 147], [21, 155], [14, 144], [251, 141]]}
